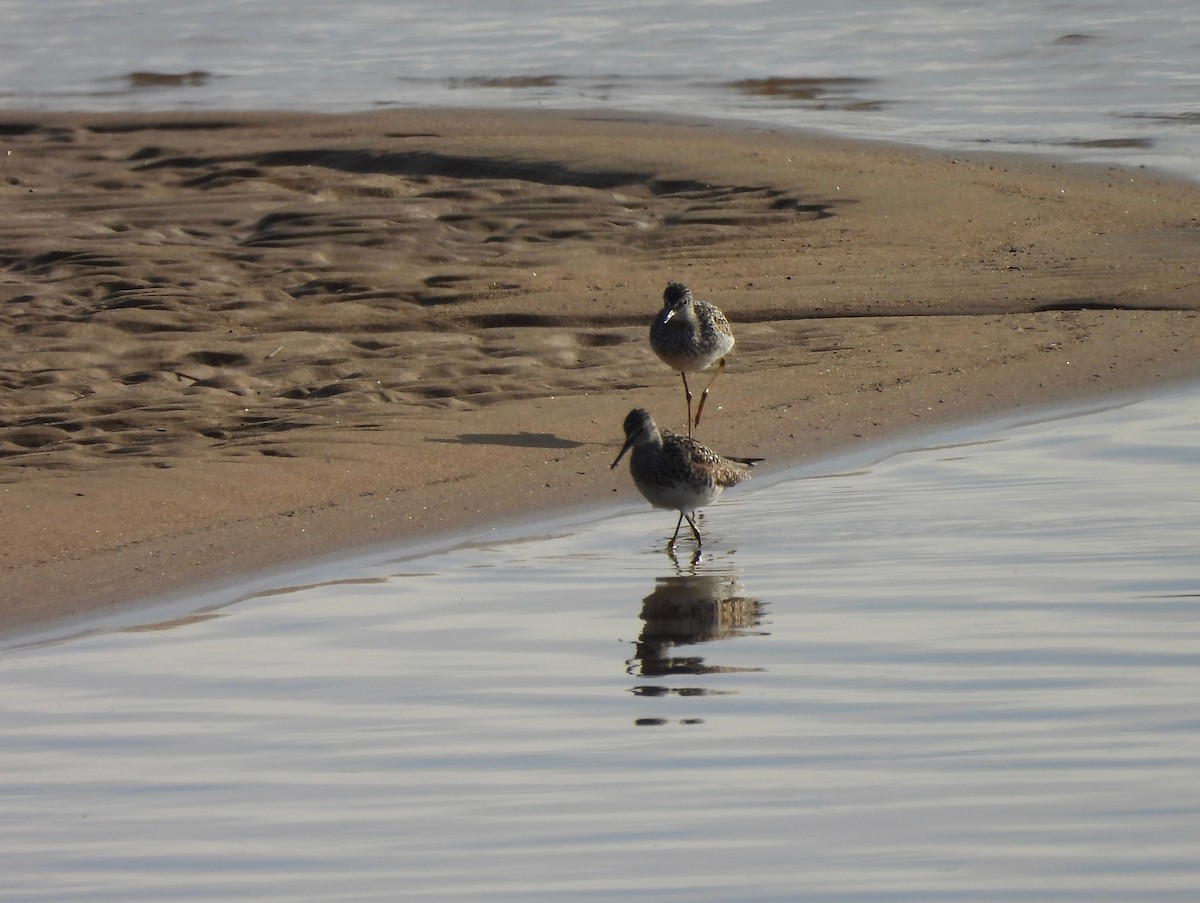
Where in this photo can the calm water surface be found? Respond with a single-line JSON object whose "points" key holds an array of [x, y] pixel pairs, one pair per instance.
{"points": [[1105, 80], [968, 671]]}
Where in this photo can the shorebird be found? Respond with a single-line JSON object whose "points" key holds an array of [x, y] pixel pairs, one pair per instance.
{"points": [[677, 472], [690, 336]]}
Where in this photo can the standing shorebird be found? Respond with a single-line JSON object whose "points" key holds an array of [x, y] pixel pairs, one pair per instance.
{"points": [[677, 472], [690, 336]]}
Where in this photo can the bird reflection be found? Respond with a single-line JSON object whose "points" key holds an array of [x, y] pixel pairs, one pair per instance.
{"points": [[684, 610]]}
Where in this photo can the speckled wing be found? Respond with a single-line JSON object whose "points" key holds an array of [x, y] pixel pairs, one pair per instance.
{"points": [[721, 471], [716, 331]]}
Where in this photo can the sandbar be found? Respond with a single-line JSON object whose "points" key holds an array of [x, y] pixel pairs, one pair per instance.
{"points": [[239, 342]]}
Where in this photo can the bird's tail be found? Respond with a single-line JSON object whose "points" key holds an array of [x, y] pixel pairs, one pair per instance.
{"points": [[749, 462]]}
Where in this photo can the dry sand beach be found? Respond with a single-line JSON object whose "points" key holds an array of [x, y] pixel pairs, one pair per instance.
{"points": [[237, 341]]}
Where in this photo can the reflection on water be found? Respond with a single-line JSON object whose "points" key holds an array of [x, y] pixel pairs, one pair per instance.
{"points": [[684, 610], [965, 672]]}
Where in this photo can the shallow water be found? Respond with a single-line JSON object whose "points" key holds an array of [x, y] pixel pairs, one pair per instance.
{"points": [[966, 671], [1102, 80]]}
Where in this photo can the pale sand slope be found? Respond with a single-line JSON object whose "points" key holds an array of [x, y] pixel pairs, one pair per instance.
{"points": [[237, 341]]}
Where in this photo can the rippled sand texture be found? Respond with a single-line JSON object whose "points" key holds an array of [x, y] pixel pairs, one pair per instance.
{"points": [[355, 276], [231, 341]]}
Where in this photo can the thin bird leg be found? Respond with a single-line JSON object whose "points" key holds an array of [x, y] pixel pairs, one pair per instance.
{"points": [[675, 536], [704, 394], [695, 532], [688, 392]]}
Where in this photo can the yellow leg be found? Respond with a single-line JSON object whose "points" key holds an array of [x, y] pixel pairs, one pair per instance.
{"points": [[675, 536], [678, 524], [704, 394], [687, 392]]}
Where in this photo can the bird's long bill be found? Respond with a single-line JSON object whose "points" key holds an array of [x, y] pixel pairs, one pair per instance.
{"points": [[667, 319], [624, 448]]}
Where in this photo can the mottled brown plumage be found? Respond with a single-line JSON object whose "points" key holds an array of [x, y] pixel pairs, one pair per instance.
{"points": [[677, 472], [690, 336]]}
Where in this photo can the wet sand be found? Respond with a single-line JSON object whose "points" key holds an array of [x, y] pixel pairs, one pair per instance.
{"points": [[234, 342]]}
